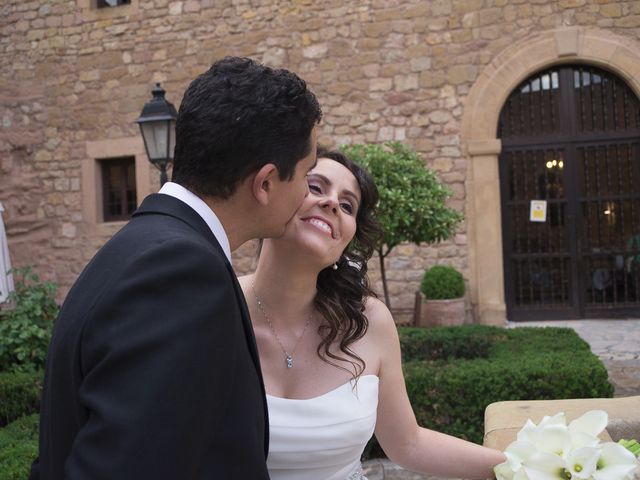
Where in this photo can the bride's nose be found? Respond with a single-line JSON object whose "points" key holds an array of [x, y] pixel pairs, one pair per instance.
{"points": [[330, 203]]}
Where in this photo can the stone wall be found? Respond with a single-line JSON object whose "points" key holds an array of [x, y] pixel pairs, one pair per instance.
{"points": [[382, 69]]}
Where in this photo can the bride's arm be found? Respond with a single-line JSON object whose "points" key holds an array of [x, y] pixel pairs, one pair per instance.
{"points": [[404, 442]]}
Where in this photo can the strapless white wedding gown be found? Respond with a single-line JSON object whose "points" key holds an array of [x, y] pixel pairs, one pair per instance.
{"points": [[322, 438]]}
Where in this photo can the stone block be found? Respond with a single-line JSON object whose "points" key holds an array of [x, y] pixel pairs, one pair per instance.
{"points": [[191, 6], [466, 6], [380, 84], [53, 22], [377, 29], [175, 8], [571, 3], [628, 21], [315, 51], [440, 116], [340, 48], [462, 73], [611, 10], [432, 79], [402, 26], [405, 82], [420, 10], [490, 16], [385, 134], [420, 64]]}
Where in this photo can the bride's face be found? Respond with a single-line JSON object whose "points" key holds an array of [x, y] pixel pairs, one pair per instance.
{"points": [[325, 223]]}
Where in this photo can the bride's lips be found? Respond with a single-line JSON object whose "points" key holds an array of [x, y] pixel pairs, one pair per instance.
{"points": [[321, 224]]}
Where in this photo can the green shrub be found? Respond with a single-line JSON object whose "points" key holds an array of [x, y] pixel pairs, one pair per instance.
{"points": [[442, 282], [25, 329], [19, 395], [18, 448], [472, 341], [453, 373]]}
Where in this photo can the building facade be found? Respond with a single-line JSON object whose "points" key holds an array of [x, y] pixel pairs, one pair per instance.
{"points": [[482, 89]]}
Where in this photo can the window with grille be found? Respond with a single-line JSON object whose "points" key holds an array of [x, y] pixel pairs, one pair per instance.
{"points": [[112, 3], [118, 188]]}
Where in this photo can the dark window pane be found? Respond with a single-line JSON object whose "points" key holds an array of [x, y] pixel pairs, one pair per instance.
{"points": [[119, 188]]}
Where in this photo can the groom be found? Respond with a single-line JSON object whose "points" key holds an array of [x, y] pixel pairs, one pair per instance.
{"points": [[152, 370]]}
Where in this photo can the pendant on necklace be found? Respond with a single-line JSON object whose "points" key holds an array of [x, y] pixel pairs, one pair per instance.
{"points": [[289, 361]]}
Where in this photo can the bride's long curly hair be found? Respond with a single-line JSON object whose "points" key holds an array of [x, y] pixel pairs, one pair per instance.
{"points": [[342, 293]]}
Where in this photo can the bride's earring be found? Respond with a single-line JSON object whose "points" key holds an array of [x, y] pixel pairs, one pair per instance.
{"points": [[335, 266]]}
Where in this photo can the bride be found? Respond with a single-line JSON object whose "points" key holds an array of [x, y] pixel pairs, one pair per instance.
{"points": [[329, 348]]}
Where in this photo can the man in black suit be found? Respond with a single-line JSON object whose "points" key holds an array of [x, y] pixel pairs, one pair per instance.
{"points": [[153, 371]]}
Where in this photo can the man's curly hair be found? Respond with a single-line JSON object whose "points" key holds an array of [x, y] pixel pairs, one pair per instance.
{"points": [[235, 118]]}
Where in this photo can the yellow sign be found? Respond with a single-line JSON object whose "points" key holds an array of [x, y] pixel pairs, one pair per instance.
{"points": [[538, 211]]}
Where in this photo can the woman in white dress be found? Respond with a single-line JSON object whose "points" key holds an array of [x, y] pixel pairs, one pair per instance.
{"points": [[329, 348]]}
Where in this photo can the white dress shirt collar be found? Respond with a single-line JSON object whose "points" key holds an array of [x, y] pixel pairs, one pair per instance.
{"points": [[178, 191]]}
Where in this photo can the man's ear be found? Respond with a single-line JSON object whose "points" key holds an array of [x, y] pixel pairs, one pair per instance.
{"points": [[264, 182]]}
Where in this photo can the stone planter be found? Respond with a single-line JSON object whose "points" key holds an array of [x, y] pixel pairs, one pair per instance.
{"points": [[434, 313]]}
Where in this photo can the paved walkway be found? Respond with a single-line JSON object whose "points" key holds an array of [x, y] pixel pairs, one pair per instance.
{"points": [[616, 342]]}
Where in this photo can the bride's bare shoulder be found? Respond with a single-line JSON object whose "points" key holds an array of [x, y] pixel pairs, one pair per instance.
{"points": [[380, 319]]}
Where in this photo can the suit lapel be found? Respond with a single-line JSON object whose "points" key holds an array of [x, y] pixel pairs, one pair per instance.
{"points": [[253, 349], [167, 205]]}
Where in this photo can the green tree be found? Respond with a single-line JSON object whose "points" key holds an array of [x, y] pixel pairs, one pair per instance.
{"points": [[412, 206], [25, 327]]}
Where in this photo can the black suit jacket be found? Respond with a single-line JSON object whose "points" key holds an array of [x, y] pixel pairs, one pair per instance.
{"points": [[153, 370]]}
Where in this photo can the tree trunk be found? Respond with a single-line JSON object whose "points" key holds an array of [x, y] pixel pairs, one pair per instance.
{"points": [[383, 275]]}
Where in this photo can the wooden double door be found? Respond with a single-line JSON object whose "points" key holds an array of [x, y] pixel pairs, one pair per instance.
{"points": [[570, 193]]}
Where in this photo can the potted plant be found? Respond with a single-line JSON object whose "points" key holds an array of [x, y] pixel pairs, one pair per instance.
{"points": [[443, 297]]}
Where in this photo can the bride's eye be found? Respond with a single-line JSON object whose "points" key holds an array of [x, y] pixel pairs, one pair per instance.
{"points": [[347, 207], [315, 188]]}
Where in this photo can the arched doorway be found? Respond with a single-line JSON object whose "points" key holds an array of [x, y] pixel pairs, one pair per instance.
{"points": [[478, 136], [570, 195]]}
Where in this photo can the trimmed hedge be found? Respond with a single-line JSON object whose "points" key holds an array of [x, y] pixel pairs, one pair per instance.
{"points": [[453, 373], [18, 448], [515, 364], [19, 394], [445, 343]]}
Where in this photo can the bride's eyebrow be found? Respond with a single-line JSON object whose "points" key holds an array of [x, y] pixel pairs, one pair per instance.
{"points": [[320, 177]]}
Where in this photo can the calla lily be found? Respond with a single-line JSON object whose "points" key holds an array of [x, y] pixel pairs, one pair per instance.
{"points": [[504, 471], [545, 466], [518, 452], [615, 463], [581, 439], [581, 463], [553, 450], [527, 431], [557, 419], [591, 423], [552, 438]]}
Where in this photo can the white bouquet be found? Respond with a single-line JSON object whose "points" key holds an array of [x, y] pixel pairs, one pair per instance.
{"points": [[553, 450]]}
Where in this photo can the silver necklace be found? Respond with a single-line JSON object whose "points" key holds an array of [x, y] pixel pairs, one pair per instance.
{"points": [[288, 356]]}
